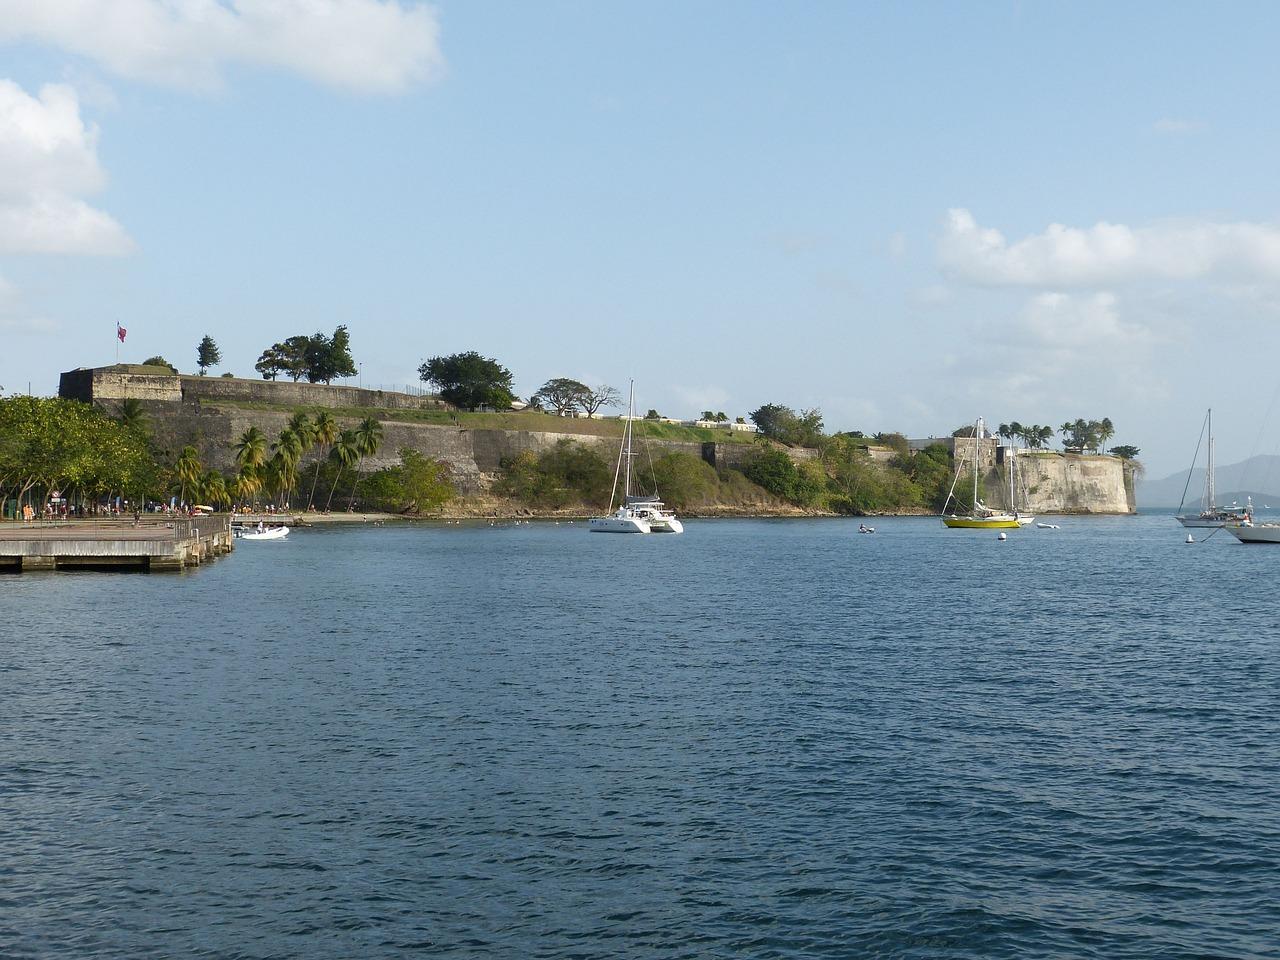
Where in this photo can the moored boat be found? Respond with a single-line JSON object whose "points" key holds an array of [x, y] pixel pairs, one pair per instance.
{"points": [[1210, 514], [636, 514], [1250, 532], [980, 516]]}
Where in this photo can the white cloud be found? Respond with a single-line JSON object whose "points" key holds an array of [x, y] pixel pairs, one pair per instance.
{"points": [[371, 46], [1176, 126], [1089, 322], [1108, 253], [48, 159]]}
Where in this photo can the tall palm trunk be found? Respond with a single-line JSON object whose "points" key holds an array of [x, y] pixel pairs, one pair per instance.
{"points": [[311, 498], [355, 486], [336, 477]]}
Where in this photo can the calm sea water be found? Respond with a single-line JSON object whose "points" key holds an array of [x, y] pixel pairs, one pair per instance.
{"points": [[761, 739]]}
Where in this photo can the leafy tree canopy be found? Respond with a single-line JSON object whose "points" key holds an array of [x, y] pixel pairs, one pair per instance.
{"points": [[1125, 452], [469, 381], [777, 422], [563, 395], [207, 354], [318, 358]]}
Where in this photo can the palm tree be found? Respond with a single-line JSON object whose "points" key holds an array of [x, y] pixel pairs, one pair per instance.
{"points": [[213, 488], [245, 485], [1106, 430], [324, 433], [368, 440], [187, 470], [132, 417], [251, 451], [344, 452], [286, 453]]}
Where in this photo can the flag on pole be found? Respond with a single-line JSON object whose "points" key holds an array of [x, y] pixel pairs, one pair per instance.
{"points": [[120, 332]]}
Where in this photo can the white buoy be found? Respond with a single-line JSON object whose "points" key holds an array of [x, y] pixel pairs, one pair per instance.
{"points": [[1190, 538], [1003, 536]]}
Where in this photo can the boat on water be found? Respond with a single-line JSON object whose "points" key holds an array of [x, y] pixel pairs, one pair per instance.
{"points": [[1014, 481], [980, 516], [262, 532], [1249, 532], [638, 513], [1210, 514]]}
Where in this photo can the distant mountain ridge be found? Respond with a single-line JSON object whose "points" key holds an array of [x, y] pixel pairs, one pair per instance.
{"points": [[1258, 477]]}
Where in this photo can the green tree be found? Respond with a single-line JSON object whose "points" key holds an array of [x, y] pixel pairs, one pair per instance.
{"points": [[1126, 452], [341, 363], [132, 416], [251, 451], [159, 361], [207, 354], [777, 422], [344, 453], [562, 395], [324, 433], [213, 488], [187, 469], [52, 443], [469, 381], [414, 485], [368, 440], [776, 472], [653, 415]]}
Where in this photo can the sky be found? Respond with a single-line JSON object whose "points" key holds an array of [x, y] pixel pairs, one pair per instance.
{"points": [[905, 215]]}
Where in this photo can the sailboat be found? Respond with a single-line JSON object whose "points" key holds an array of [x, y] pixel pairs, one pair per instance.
{"points": [[980, 517], [1210, 515], [640, 513], [1023, 518]]}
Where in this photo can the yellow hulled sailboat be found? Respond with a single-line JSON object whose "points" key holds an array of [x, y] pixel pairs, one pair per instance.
{"points": [[981, 517]]}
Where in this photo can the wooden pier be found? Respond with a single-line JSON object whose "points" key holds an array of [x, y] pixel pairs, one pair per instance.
{"points": [[151, 544]]}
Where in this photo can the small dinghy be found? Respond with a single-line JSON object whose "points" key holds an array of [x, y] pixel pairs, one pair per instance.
{"points": [[863, 528], [264, 533], [1048, 526]]}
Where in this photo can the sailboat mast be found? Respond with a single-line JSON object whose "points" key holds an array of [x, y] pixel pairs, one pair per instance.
{"points": [[1210, 486], [631, 417], [977, 429]]}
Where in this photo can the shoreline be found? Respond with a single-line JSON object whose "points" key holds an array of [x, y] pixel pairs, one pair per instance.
{"points": [[493, 512]]}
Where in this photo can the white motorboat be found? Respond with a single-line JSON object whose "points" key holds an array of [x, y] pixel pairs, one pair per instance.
{"points": [[1210, 515], [1250, 532], [637, 514], [263, 533], [1047, 526]]}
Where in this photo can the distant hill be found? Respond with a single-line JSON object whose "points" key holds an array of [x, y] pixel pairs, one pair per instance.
{"points": [[1258, 477]]}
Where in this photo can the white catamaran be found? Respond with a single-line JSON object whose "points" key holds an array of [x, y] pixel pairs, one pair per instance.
{"points": [[1210, 515], [636, 514]]}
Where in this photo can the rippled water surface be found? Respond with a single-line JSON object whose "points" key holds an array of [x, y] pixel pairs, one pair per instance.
{"points": [[761, 739]]}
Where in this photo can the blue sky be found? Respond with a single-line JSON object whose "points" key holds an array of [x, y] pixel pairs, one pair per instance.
{"points": [[905, 215]]}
